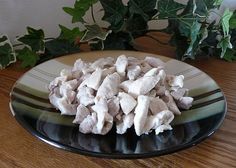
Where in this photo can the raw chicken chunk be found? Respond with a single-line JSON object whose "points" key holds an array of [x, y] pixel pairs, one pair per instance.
{"points": [[133, 72], [94, 80], [176, 82], [101, 108], [157, 121], [121, 64], [143, 85], [141, 112], [109, 86], [102, 62], [85, 96], [127, 102], [157, 105], [87, 125], [56, 82], [126, 123], [125, 85], [81, 114], [113, 106], [63, 105], [154, 62], [185, 102], [168, 99]]}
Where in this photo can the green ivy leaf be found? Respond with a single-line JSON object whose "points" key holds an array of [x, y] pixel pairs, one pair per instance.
{"points": [[192, 49], [181, 44], [143, 7], [232, 21], [225, 21], [187, 18], [70, 34], [114, 41], [217, 3], [58, 47], [34, 39], [79, 9], [168, 8], [136, 26], [115, 13], [224, 44], [230, 55], [7, 54], [28, 57], [94, 32]]}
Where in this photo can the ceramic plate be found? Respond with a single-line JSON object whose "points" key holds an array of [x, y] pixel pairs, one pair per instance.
{"points": [[31, 108]]}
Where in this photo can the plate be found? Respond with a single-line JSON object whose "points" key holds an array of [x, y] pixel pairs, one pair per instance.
{"points": [[30, 106]]}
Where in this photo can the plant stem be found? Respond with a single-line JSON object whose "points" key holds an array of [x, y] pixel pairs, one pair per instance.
{"points": [[157, 40], [49, 38], [16, 45], [92, 14]]}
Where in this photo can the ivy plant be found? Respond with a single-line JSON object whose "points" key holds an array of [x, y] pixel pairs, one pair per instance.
{"points": [[189, 26]]}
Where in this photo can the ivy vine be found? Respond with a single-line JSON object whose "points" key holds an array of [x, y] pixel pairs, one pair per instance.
{"points": [[189, 26]]}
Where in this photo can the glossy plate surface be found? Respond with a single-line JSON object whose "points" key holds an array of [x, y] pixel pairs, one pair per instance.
{"points": [[31, 108]]}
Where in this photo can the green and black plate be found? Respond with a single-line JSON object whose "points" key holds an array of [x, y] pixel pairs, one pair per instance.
{"points": [[30, 106]]}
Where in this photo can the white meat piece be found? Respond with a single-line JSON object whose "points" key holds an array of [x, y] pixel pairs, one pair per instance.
{"points": [[126, 122], [162, 76], [79, 65], [145, 67], [101, 108], [126, 84], [94, 80], [63, 105], [185, 102], [151, 122], [66, 72], [82, 81], [81, 114], [141, 112], [127, 102], [157, 105], [102, 62], [56, 82], [133, 72], [71, 84], [179, 93], [162, 128], [168, 99], [121, 64], [109, 86], [152, 72], [85, 96], [143, 85], [176, 82], [108, 71], [113, 106], [164, 117], [87, 125], [134, 61], [67, 93], [154, 62], [71, 74], [160, 90]]}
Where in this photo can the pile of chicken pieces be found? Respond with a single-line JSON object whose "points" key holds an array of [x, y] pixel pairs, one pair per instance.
{"points": [[126, 91]]}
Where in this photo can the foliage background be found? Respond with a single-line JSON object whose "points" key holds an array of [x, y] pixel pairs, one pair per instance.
{"points": [[189, 26]]}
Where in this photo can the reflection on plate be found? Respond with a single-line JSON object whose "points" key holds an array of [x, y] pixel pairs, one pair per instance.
{"points": [[30, 106]]}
